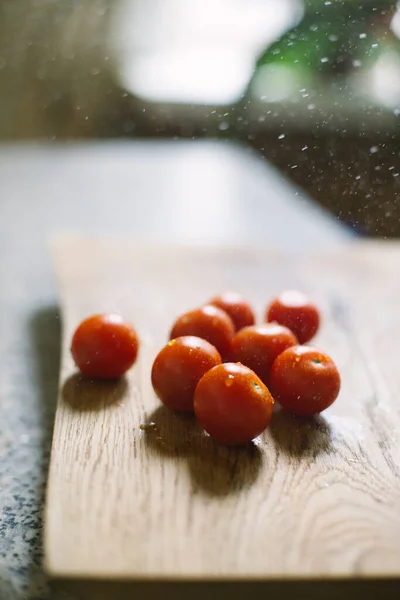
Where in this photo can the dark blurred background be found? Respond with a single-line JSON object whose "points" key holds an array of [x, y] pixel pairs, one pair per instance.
{"points": [[313, 85]]}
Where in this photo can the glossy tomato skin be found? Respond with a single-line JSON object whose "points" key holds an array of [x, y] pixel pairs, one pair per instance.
{"points": [[232, 404], [293, 310], [236, 307], [104, 346], [178, 368], [259, 345], [304, 380], [209, 323]]}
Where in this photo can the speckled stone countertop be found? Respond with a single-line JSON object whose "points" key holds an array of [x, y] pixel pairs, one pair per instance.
{"points": [[127, 189]]}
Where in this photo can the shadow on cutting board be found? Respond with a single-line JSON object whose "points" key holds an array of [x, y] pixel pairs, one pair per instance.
{"points": [[89, 395], [276, 590], [300, 436], [215, 470]]}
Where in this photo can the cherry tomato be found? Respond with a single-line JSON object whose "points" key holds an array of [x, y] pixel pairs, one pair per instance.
{"points": [[259, 345], [304, 380], [294, 310], [211, 324], [178, 368], [232, 404], [104, 346], [236, 307]]}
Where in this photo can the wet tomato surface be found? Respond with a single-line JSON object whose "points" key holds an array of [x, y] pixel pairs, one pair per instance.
{"points": [[104, 346], [295, 311], [209, 323], [232, 404], [304, 380], [236, 307], [178, 368], [259, 345]]}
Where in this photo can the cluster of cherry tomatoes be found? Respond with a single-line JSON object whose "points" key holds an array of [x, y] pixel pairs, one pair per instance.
{"points": [[222, 366]]}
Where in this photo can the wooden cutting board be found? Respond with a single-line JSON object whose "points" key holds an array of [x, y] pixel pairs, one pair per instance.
{"points": [[136, 492]]}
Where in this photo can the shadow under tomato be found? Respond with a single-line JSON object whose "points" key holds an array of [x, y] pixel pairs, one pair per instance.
{"points": [[300, 436], [91, 395], [215, 470]]}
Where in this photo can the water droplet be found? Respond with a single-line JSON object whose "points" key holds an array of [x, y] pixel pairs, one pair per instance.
{"points": [[223, 126], [374, 149], [325, 59], [333, 37], [324, 484], [148, 426], [310, 106], [362, 36], [281, 136], [229, 380], [357, 63]]}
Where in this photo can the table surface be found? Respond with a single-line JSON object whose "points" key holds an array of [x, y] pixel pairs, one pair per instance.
{"points": [[198, 192]]}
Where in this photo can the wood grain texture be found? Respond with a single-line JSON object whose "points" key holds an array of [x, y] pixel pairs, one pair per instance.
{"points": [[310, 498]]}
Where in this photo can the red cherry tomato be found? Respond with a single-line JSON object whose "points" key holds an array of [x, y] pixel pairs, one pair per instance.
{"points": [[178, 368], [211, 324], [104, 346], [259, 345], [294, 310], [304, 380], [232, 404], [236, 307]]}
